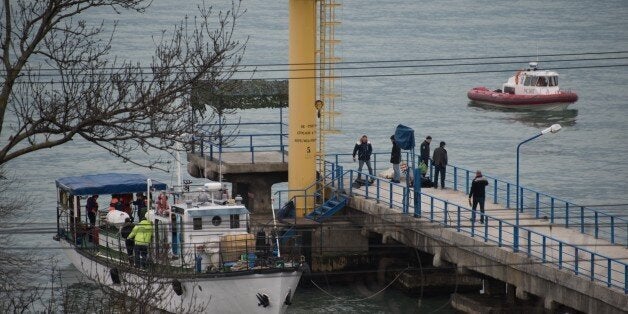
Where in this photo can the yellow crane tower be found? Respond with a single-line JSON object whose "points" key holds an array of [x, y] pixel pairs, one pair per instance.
{"points": [[306, 137]]}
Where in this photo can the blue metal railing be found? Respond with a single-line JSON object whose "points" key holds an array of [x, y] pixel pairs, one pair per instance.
{"points": [[549, 250], [312, 195], [586, 220], [253, 138]]}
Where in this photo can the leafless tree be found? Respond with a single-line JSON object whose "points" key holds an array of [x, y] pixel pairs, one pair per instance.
{"points": [[17, 268], [119, 106]]}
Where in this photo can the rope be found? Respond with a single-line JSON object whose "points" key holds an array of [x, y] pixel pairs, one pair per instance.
{"points": [[362, 299]]}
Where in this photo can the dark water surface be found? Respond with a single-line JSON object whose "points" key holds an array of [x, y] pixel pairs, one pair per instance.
{"points": [[586, 162]]}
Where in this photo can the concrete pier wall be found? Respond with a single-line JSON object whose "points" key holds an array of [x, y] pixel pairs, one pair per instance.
{"points": [[526, 274]]}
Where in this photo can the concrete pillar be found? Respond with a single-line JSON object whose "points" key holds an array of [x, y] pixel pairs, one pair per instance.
{"points": [[510, 293], [550, 305], [437, 261], [386, 238], [522, 295]]}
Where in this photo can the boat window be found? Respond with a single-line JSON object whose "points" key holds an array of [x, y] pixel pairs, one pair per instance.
{"points": [[197, 223], [553, 81], [542, 81], [528, 81], [216, 221], [235, 221]]}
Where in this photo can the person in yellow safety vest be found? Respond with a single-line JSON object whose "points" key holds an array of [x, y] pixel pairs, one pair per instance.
{"points": [[143, 234]]}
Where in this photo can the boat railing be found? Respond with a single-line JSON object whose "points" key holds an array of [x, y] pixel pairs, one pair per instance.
{"points": [[168, 255]]}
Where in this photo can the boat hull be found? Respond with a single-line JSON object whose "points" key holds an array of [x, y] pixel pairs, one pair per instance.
{"points": [[557, 101], [206, 293]]}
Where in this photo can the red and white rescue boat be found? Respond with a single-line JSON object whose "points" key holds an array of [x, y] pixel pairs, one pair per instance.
{"points": [[527, 89]]}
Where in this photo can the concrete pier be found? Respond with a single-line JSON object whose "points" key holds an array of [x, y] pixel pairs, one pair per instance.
{"points": [[466, 245]]}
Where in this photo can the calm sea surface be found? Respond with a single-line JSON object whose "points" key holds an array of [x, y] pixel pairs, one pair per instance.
{"points": [[586, 162]]}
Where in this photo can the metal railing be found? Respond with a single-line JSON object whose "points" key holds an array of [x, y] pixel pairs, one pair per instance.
{"points": [[586, 220], [311, 200], [549, 250], [253, 138]]}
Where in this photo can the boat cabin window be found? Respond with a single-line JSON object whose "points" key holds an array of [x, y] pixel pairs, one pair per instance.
{"points": [[216, 221], [197, 223], [529, 81], [553, 80], [542, 81], [235, 221]]}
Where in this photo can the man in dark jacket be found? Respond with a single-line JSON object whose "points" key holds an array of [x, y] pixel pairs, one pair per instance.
{"points": [[363, 149], [425, 150], [395, 160], [440, 163], [478, 194], [92, 209], [125, 231]]}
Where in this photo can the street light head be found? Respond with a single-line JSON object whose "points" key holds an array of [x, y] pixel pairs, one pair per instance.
{"points": [[552, 129]]}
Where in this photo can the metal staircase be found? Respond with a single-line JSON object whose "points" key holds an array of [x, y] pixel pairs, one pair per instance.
{"points": [[329, 208]]}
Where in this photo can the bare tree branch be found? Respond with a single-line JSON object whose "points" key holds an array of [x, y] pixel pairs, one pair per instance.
{"points": [[119, 106]]}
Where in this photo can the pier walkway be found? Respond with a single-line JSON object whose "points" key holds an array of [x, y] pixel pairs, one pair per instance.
{"points": [[565, 253]]}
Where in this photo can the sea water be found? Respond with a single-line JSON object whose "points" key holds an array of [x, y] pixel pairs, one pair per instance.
{"points": [[586, 162]]}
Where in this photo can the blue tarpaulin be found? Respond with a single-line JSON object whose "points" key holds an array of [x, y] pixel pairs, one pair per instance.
{"points": [[107, 183], [404, 136]]}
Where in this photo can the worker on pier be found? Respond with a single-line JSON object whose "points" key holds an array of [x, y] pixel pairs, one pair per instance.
{"points": [[425, 150], [440, 165], [363, 149], [477, 194], [395, 160]]}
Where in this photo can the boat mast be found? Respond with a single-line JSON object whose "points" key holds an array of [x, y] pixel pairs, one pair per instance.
{"points": [[272, 206]]}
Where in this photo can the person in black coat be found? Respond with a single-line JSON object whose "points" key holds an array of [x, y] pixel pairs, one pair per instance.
{"points": [[440, 165], [477, 194], [425, 150], [395, 160], [364, 150], [126, 229]]}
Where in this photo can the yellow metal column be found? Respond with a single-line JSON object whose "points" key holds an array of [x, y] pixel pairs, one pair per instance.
{"points": [[302, 95]]}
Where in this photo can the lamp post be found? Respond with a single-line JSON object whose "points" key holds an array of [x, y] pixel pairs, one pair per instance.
{"points": [[552, 129]]}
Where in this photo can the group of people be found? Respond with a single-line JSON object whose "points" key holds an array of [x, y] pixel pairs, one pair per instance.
{"points": [[363, 149], [123, 202]]}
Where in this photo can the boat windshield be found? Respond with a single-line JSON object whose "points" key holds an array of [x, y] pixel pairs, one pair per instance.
{"points": [[541, 81]]}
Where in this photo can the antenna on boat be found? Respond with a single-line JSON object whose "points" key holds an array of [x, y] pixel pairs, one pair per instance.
{"points": [[149, 183], [272, 206], [178, 158]]}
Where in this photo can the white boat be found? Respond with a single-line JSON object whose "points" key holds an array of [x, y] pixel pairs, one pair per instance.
{"points": [[202, 257], [527, 89]]}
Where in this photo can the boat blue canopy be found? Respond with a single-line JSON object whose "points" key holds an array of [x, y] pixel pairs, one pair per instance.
{"points": [[107, 183]]}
